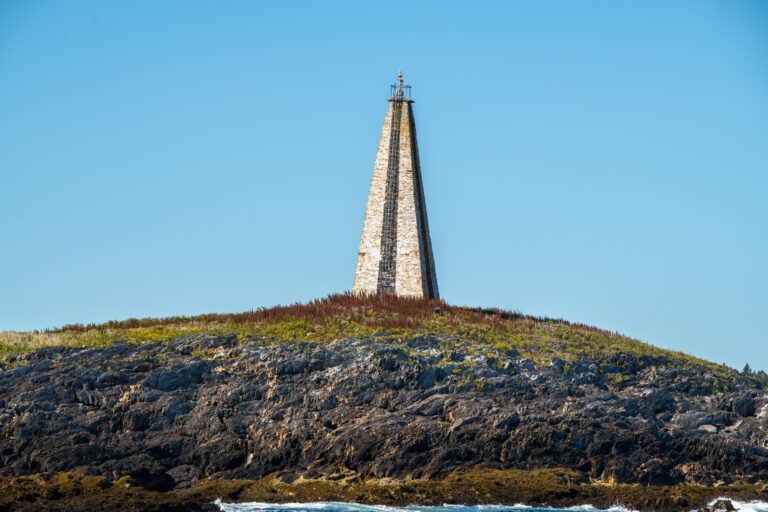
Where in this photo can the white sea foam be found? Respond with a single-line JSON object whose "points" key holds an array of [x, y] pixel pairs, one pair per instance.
{"points": [[333, 506], [744, 506]]}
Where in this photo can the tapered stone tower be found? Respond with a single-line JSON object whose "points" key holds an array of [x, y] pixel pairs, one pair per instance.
{"points": [[395, 253]]}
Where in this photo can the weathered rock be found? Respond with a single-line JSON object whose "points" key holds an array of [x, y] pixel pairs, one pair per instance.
{"points": [[422, 407], [721, 505]]}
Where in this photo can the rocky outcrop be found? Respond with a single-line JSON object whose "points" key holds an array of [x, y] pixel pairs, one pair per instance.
{"points": [[165, 415]]}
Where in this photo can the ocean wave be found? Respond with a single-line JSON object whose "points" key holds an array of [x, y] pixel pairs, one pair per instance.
{"points": [[743, 506], [335, 506]]}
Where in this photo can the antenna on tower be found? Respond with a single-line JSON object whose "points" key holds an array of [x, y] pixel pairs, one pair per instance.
{"points": [[399, 91]]}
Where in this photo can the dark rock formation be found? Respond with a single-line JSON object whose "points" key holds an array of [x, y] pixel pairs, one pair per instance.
{"points": [[168, 414]]}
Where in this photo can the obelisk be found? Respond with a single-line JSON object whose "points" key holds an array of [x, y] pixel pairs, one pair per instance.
{"points": [[395, 255]]}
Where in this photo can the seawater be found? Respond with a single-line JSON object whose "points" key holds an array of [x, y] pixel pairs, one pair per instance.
{"points": [[330, 506]]}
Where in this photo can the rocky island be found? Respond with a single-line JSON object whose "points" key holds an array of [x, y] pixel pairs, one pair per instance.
{"points": [[379, 400]]}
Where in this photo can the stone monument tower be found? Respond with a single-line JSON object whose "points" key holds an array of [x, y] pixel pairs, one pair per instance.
{"points": [[395, 253]]}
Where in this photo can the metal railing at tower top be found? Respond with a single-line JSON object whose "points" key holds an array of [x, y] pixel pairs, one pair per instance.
{"points": [[399, 91]]}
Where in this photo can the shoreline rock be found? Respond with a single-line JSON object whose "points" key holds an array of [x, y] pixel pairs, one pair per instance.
{"points": [[167, 416], [553, 488]]}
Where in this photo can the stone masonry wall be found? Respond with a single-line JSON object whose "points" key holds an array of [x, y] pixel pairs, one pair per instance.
{"points": [[414, 271], [410, 271], [369, 254], [429, 275]]}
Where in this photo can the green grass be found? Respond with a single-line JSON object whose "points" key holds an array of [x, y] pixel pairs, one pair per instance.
{"points": [[344, 316]]}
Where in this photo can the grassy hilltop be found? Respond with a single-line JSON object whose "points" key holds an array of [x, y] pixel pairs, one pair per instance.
{"points": [[341, 316], [374, 400]]}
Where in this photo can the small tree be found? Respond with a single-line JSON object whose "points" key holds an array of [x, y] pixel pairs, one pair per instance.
{"points": [[763, 378], [747, 370]]}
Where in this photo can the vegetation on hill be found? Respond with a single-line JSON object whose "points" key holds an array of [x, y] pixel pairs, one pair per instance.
{"points": [[376, 399], [342, 316]]}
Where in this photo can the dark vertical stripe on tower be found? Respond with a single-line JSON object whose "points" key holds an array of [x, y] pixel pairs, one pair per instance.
{"points": [[388, 262], [426, 249]]}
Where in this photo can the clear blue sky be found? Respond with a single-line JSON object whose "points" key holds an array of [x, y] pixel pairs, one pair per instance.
{"points": [[603, 162]]}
